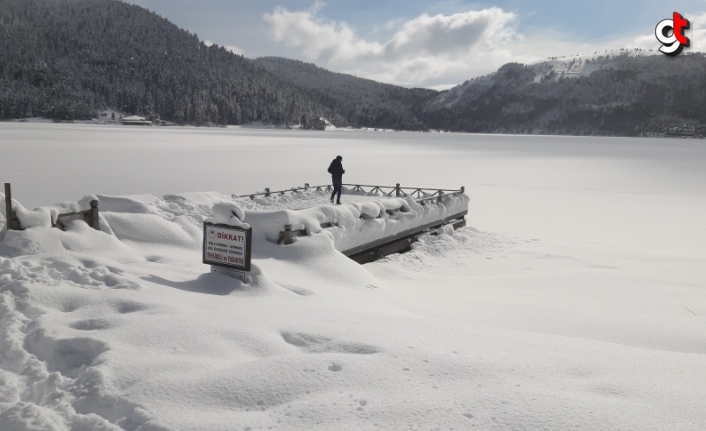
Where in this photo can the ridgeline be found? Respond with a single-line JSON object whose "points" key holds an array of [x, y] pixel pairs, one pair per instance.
{"points": [[68, 59], [629, 94]]}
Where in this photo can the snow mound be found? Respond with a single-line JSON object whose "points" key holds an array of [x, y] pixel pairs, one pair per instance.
{"points": [[364, 217], [227, 213], [123, 328], [86, 273]]}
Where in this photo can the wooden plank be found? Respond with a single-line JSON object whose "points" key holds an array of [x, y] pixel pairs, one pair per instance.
{"points": [[95, 220], [459, 224], [395, 247], [365, 257], [404, 234], [287, 234], [8, 207]]}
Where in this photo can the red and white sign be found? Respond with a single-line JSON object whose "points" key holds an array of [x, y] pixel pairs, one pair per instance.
{"points": [[227, 246], [671, 34]]}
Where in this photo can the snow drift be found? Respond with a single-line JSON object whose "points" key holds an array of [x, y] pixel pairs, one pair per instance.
{"points": [[75, 357]]}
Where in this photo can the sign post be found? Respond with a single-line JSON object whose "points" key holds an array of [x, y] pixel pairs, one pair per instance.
{"points": [[228, 249]]}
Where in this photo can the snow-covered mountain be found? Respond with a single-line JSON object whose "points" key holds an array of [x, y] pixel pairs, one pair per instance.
{"points": [[163, 72], [624, 93]]}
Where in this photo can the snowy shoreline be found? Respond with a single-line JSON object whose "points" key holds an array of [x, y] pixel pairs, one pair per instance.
{"points": [[331, 128]]}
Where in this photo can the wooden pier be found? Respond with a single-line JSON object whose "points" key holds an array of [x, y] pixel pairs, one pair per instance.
{"points": [[401, 242], [398, 243]]}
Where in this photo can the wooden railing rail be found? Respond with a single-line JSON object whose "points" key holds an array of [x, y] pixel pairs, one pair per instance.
{"points": [[268, 193], [90, 216], [421, 194]]}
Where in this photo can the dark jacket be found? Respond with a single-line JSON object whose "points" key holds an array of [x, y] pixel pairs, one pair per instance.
{"points": [[336, 170]]}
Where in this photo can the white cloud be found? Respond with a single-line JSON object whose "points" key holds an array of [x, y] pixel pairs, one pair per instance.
{"points": [[441, 87], [232, 48], [423, 48], [318, 39], [433, 51], [430, 36]]}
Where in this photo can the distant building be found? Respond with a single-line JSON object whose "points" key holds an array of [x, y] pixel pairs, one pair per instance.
{"points": [[680, 131], [135, 120]]}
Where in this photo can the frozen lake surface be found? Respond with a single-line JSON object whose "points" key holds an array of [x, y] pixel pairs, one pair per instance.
{"points": [[641, 191], [575, 299]]}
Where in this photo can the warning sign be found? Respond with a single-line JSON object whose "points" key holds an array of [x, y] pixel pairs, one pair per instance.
{"points": [[227, 246]]}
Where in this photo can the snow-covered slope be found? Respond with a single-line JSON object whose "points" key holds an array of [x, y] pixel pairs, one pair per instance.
{"points": [[584, 64], [556, 67]]}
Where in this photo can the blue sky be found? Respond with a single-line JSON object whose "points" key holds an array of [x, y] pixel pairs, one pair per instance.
{"points": [[423, 43]]}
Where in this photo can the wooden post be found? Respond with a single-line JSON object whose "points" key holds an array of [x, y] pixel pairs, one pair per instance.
{"points": [[267, 192], [287, 234], [397, 190], [306, 186], [95, 223], [463, 189], [441, 195], [8, 207], [12, 223]]}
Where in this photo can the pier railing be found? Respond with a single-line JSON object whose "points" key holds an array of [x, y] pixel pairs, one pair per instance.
{"points": [[90, 216], [420, 194]]}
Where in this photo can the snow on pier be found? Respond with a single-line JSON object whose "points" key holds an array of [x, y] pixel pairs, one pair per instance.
{"points": [[366, 220], [95, 317]]}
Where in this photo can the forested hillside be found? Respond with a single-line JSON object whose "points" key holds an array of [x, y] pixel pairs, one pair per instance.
{"points": [[360, 101], [64, 59], [623, 95], [67, 59]]}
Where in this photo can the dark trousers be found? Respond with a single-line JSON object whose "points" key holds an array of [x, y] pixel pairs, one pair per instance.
{"points": [[337, 185]]}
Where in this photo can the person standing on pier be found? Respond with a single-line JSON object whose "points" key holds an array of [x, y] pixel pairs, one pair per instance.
{"points": [[336, 171]]}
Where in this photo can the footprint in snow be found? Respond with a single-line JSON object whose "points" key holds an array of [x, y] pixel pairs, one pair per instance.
{"points": [[335, 367], [91, 324]]}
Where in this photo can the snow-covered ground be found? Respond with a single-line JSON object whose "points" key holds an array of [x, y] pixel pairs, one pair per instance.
{"points": [[575, 299], [584, 64]]}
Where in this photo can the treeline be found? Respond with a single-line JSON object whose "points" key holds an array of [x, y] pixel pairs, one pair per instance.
{"points": [[624, 95], [360, 101], [68, 59], [65, 59]]}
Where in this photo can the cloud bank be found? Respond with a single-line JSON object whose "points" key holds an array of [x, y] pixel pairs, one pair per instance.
{"points": [[232, 48], [432, 51], [422, 50]]}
